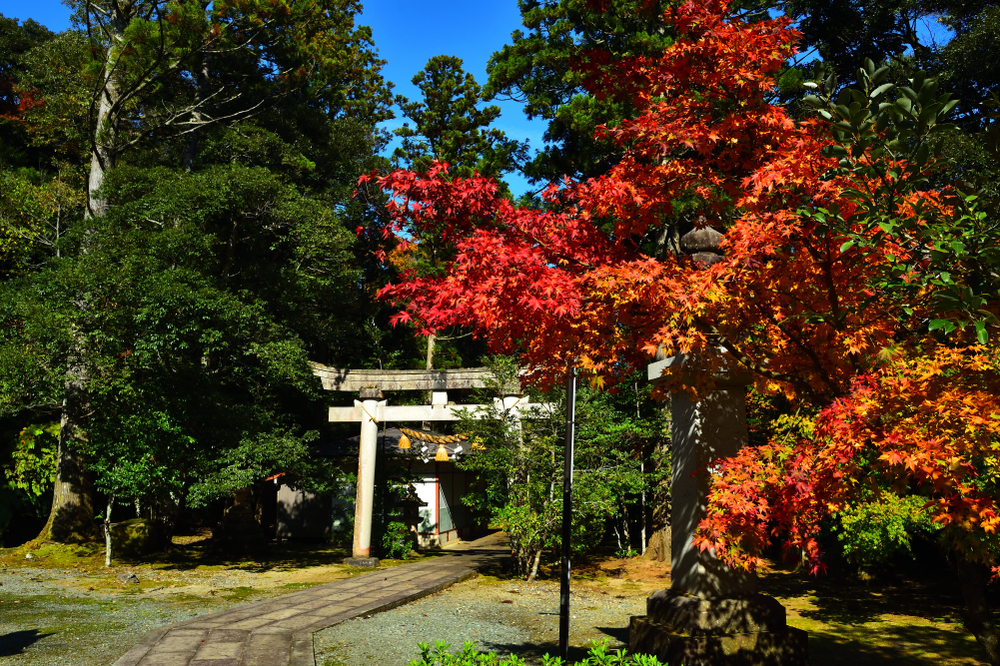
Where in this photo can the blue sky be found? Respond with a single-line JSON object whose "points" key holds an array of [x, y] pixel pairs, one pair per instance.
{"points": [[407, 35]]}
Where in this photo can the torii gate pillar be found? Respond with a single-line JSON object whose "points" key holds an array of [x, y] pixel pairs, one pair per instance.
{"points": [[365, 498]]}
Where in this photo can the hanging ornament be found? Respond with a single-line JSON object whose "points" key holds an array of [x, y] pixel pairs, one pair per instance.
{"points": [[442, 454], [404, 442]]}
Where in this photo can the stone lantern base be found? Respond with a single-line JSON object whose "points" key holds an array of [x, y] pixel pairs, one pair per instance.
{"points": [[686, 630]]}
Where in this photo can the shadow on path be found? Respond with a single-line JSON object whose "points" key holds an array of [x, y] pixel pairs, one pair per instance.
{"points": [[15, 642]]}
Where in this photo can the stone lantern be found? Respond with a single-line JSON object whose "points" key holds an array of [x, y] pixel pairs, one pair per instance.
{"points": [[711, 615]]}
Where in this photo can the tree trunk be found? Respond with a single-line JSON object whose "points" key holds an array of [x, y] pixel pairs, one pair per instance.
{"points": [[972, 577], [626, 532], [658, 547], [107, 531], [71, 518], [534, 566], [642, 507], [201, 92], [102, 150]]}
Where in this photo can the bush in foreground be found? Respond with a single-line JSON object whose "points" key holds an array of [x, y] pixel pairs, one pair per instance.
{"points": [[470, 656]]}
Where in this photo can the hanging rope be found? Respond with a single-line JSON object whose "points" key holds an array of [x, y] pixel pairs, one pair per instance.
{"points": [[435, 439]]}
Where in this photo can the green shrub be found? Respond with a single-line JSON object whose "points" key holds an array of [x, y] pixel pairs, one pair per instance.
{"points": [[470, 656], [396, 541], [873, 532]]}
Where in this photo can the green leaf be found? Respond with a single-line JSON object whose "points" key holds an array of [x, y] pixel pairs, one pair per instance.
{"points": [[846, 246], [923, 153], [937, 324], [880, 90], [981, 334]]}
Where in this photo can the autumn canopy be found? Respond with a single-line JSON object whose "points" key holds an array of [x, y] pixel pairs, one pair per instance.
{"points": [[844, 266]]}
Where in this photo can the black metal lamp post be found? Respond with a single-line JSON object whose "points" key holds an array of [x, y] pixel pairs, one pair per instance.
{"points": [[567, 514]]}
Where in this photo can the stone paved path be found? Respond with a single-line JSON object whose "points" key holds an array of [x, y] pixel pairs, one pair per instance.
{"points": [[279, 631]]}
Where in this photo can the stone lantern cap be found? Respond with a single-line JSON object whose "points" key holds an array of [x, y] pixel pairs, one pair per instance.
{"points": [[703, 246], [705, 239]]}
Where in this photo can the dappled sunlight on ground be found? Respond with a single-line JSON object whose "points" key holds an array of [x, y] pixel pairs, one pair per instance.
{"points": [[904, 621]]}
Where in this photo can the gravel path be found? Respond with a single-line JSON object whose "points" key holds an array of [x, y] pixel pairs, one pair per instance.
{"points": [[49, 617], [85, 617], [505, 617]]}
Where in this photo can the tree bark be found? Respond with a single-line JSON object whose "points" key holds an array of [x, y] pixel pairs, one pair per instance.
{"points": [[201, 92], [429, 365], [658, 546], [972, 577], [642, 507], [71, 518], [107, 531], [534, 566], [102, 153]]}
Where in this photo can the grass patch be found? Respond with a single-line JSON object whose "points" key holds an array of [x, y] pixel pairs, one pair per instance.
{"points": [[191, 553], [184, 555], [50, 555], [298, 586], [184, 597], [238, 593]]}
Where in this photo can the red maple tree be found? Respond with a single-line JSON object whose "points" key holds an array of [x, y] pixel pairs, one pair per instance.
{"points": [[836, 255], [576, 280]]}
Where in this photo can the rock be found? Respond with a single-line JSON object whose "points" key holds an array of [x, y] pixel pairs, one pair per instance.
{"points": [[128, 578], [29, 556], [137, 537]]}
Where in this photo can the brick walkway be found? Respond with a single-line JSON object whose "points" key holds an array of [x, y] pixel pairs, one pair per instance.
{"points": [[278, 631]]}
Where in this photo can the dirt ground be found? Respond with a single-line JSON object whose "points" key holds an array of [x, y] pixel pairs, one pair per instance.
{"points": [[59, 605], [901, 619], [44, 600]]}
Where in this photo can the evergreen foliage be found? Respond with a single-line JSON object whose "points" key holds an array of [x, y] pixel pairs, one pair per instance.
{"points": [[518, 457]]}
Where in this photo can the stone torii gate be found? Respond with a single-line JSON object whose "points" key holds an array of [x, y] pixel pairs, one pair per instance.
{"points": [[371, 410]]}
